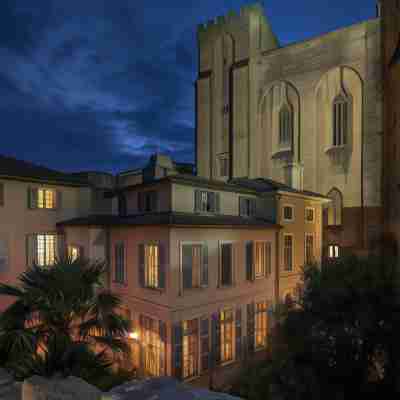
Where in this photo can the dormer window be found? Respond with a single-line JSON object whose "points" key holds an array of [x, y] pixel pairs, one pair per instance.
{"points": [[285, 126], [206, 202], [341, 114]]}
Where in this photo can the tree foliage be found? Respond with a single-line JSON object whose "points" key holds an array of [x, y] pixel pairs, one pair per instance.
{"points": [[63, 321], [340, 338]]}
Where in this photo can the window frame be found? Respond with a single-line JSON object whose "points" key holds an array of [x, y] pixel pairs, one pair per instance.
{"points": [[313, 215], [285, 235], [208, 202], [336, 253], [341, 120], [249, 208], [157, 267], [201, 269], [306, 236], [223, 348], [197, 350], [286, 126], [220, 244], [223, 166], [292, 207], [259, 312], [268, 259], [76, 247]]}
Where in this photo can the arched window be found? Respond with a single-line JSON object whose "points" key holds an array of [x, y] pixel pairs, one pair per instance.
{"points": [[335, 208], [285, 125], [341, 114]]}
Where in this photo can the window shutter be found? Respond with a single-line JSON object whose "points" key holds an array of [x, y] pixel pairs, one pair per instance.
{"points": [[162, 331], [250, 327], [3, 255], [1, 194], [204, 344], [141, 263], [250, 261], [177, 353], [187, 273], [162, 265], [242, 207], [226, 264], [154, 201], [268, 259], [31, 250], [253, 207], [217, 204], [215, 339], [204, 269], [197, 200], [32, 198], [238, 333], [140, 202], [58, 200], [61, 250]]}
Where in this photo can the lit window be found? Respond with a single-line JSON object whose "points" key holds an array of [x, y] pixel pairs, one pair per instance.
{"points": [[261, 325], [288, 213], [226, 266], [43, 198], [340, 120], [194, 265], [152, 346], [288, 252], [227, 335], [46, 250], [285, 126], [247, 207], [120, 263], [151, 254], [310, 214], [74, 252], [334, 251], [190, 348], [309, 249], [262, 261]]}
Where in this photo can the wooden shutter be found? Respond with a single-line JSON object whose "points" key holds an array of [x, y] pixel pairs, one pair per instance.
{"points": [[253, 207], [162, 331], [162, 265], [177, 350], [197, 200], [141, 264], [31, 250], [58, 199], [1, 194], [238, 333], [187, 273], [215, 340], [268, 259], [250, 261], [32, 198], [250, 327], [226, 264], [3, 255], [154, 201], [204, 267], [204, 344]]}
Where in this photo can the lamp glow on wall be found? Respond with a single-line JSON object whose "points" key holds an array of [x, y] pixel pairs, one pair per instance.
{"points": [[134, 335]]}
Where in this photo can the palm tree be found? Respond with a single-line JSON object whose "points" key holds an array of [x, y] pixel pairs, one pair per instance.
{"points": [[63, 321]]}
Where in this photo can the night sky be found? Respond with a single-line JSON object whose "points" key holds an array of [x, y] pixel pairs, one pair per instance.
{"points": [[102, 84]]}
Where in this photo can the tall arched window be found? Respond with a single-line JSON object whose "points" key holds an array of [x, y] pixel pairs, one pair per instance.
{"points": [[341, 115], [285, 125], [335, 208]]}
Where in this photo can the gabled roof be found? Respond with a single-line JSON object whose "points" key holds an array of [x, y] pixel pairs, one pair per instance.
{"points": [[11, 168]]}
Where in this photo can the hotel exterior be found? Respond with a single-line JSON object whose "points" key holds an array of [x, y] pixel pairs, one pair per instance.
{"points": [[289, 169]]}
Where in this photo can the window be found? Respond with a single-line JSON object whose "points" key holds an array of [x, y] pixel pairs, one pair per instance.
{"points": [[341, 109], [190, 348], [204, 344], [1, 194], [148, 201], [309, 249], [43, 249], [335, 208], [206, 201], [194, 265], [151, 266], [288, 252], [247, 207], [152, 346], [74, 253], [262, 261], [3, 255], [261, 325], [285, 126], [120, 262], [310, 214], [227, 335], [44, 198], [334, 251], [224, 167], [226, 264], [288, 213]]}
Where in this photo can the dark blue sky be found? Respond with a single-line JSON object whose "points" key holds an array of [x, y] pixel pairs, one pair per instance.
{"points": [[102, 84]]}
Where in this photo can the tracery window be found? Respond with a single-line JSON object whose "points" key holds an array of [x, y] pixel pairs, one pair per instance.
{"points": [[335, 207], [341, 115], [285, 125]]}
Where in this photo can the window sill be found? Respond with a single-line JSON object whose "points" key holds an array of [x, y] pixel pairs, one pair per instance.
{"points": [[227, 363], [153, 289], [193, 289], [336, 149], [282, 152]]}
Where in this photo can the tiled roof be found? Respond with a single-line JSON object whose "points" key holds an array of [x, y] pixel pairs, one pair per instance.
{"points": [[170, 218], [12, 168]]}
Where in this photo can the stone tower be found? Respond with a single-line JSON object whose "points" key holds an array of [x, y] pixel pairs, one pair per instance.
{"points": [[225, 94]]}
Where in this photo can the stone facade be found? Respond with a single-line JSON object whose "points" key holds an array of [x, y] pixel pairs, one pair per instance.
{"points": [[245, 79]]}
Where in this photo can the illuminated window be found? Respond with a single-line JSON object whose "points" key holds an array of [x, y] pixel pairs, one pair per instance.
{"points": [[43, 198], [151, 254], [46, 250], [310, 214], [334, 251], [74, 252], [262, 261], [152, 346], [226, 264], [285, 126], [190, 348], [288, 213], [341, 110], [261, 325], [309, 248], [194, 265], [227, 335], [288, 252]]}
